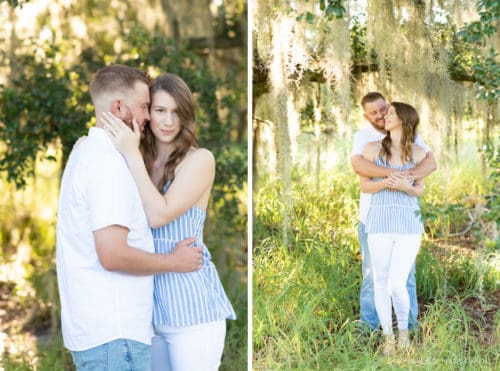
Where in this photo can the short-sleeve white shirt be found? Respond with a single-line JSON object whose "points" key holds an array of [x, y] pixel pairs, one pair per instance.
{"points": [[98, 306], [361, 139]]}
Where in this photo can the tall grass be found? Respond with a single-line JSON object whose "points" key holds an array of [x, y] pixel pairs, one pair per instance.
{"points": [[306, 294]]}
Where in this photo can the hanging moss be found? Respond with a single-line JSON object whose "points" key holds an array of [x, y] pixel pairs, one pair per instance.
{"points": [[409, 53]]}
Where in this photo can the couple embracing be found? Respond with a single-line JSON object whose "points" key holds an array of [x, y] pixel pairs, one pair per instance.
{"points": [[392, 161], [137, 285]]}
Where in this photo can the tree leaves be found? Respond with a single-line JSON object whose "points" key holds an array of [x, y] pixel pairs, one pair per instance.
{"points": [[334, 9], [485, 69], [36, 108], [45, 102]]}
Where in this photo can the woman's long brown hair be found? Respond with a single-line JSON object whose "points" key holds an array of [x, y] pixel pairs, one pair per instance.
{"points": [[187, 138], [409, 117]]}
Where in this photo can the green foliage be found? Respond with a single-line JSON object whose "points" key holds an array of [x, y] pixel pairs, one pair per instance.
{"points": [[235, 355], [487, 75], [485, 69], [465, 212], [309, 17], [306, 296], [53, 357], [15, 3], [359, 49], [45, 101], [39, 105], [231, 172], [468, 61], [493, 201], [477, 32], [230, 16], [472, 65], [330, 8]]}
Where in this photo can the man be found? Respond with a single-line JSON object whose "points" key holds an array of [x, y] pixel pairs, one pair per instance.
{"points": [[374, 109], [105, 252]]}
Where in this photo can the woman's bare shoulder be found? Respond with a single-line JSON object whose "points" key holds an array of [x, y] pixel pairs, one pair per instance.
{"points": [[372, 150], [200, 154], [196, 159]]}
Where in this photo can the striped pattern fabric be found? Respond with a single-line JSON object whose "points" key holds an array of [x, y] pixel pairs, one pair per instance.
{"points": [[394, 211], [188, 299]]}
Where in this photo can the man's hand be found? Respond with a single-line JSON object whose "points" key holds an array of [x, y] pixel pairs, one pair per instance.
{"points": [[187, 258], [400, 180]]}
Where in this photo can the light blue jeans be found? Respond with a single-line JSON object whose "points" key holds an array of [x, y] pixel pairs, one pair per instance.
{"points": [[117, 355], [368, 311]]}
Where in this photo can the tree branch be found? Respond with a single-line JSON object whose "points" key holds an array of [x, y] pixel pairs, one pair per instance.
{"points": [[220, 42]]}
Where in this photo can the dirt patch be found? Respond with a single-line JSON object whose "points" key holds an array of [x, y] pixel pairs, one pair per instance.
{"points": [[482, 314]]}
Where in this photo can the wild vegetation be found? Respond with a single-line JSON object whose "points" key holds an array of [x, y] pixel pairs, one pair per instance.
{"points": [[313, 61], [306, 291]]}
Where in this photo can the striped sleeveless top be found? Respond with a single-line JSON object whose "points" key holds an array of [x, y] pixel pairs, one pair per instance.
{"points": [[394, 211], [188, 299]]}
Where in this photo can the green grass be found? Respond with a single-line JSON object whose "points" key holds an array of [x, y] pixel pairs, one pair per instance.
{"points": [[48, 356], [306, 293]]}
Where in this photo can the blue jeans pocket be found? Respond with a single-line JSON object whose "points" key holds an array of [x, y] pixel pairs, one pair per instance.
{"points": [[117, 355]]}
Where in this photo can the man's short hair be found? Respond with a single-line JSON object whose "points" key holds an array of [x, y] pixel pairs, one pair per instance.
{"points": [[116, 78], [371, 97]]}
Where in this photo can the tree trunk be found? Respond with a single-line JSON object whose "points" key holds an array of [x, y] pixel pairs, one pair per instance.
{"points": [[281, 27], [317, 133], [255, 150], [172, 19]]}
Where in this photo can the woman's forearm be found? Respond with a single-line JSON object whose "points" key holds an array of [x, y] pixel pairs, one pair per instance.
{"points": [[368, 185], [154, 203]]}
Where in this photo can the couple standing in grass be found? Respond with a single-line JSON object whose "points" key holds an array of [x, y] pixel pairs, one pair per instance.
{"points": [[130, 251], [391, 160]]}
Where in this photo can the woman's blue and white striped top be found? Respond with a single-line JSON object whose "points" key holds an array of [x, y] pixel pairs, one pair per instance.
{"points": [[187, 299], [394, 211]]}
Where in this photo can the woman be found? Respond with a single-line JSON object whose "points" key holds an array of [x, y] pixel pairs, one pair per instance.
{"points": [[393, 223], [174, 180]]}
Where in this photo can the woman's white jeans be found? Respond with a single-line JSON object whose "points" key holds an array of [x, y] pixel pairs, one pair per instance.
{"points": [[392, 256], [188, 348]]}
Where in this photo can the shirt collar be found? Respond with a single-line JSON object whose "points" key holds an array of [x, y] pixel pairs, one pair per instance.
{"points": [[100, 135]]}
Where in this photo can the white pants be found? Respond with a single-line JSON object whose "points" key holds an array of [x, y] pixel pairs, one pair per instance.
{"points": [[392, 256], [188, 348]]}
